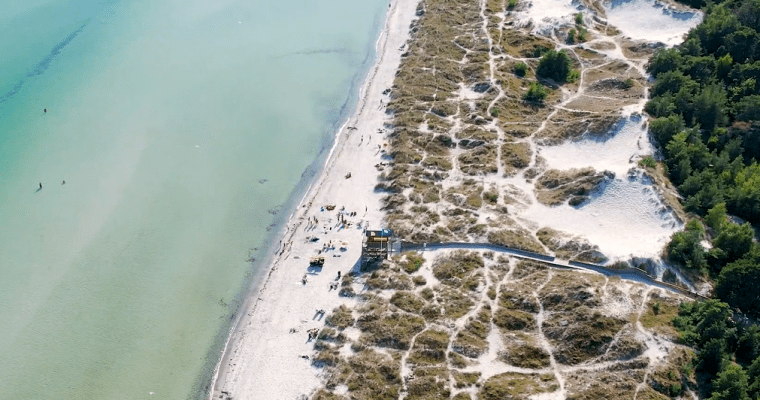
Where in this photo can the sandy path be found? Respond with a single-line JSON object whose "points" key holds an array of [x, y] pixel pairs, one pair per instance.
{"points": [[263, 358]]}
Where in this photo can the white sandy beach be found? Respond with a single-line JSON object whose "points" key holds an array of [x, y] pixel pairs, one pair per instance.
{"points": [[263, 358]]}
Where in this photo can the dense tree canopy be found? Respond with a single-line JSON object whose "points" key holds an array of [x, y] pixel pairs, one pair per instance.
{"points": [[706, 106]]}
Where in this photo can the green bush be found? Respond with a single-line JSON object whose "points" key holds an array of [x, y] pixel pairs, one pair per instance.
{"points": [[582, 34], [413, 263], [648, 162], [536, 93], [738, 283], [573, 76], [579, 19], [521, 69], [685, 247], [555, 65]]}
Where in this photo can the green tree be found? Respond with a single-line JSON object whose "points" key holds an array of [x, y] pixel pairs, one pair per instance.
{"points": [[753, 373], [735, 240], [714, 321], [730, 384], [521, 69], [744, 194], [555, 65], [665, 60], [748, 108], [709, 106], [739, 281], [685, 247], [716, 217], [718, 23], [536, 93], [663, 129], [712, 356], [748, 346]]}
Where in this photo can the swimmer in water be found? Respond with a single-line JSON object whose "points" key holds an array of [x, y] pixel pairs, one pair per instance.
{"points": [[44, 110]]}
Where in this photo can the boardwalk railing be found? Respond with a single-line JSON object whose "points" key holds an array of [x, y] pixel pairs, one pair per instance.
{"points": [[630, 273]]}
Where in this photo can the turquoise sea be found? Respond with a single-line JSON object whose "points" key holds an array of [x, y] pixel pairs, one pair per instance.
{"points": [[183, 130]]}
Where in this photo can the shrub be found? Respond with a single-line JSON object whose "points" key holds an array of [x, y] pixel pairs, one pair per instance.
{"points": [[521, 69], [571, 36], [555, 65], [413, 263], [647, 162], [582, 34], [573, 75], [579, 19], [511, 4], [685, 247], [536, 93]]}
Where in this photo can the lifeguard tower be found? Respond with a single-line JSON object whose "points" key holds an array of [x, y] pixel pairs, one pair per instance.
{"points": [[376, 245]]}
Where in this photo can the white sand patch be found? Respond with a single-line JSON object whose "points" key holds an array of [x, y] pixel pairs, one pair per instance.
{"points": [[547, 14], [618, 151], [651, 20], [625, 217]]}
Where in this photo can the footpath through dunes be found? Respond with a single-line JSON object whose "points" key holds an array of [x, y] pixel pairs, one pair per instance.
{"points": [[623, 272], [493, 150], [481, 325], [485, 149]]}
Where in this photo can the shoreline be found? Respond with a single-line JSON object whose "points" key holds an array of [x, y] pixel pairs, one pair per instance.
{"points": [[265, 303]]}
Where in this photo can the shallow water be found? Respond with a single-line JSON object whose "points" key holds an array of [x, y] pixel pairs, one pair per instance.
{"points": [[180, 129]]}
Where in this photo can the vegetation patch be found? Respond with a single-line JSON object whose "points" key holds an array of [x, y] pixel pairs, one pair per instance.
{"points": [[659, 314], [515, 157], [341, 318], [428, 384], [412, 262], [524, 355], [580, 335], [555, 187], [429, 348], [514, 320], [371, 375], [511, 385], [455, 304], [566, 292], [471, 341], [515, 238], [453, 269], [407, 301], [568, 247], [393, 330]]}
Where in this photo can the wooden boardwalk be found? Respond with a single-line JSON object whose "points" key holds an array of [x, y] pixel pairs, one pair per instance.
{"points": [[633, 274]]}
